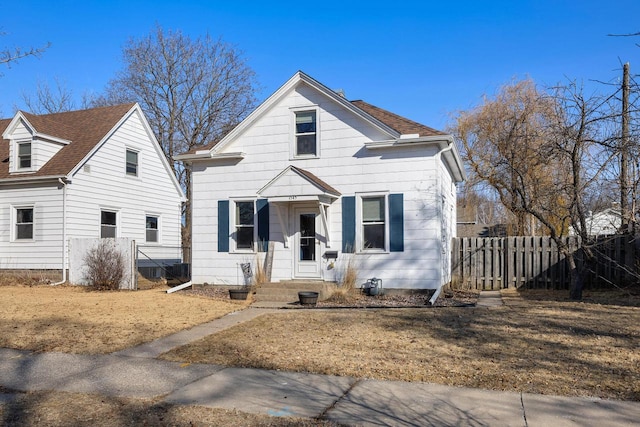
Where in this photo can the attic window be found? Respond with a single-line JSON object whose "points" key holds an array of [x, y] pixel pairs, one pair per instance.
{"points": [[132, 163], [306, 136], [24, 155]]}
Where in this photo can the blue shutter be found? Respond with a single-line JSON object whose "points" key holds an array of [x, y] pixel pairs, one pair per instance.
{"points": [[223, 226], [396, 223], [348, 224], [262, 205]]}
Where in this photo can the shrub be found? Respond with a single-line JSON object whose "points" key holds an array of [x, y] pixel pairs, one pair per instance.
{"points": [[347, 280], [105, 266]]}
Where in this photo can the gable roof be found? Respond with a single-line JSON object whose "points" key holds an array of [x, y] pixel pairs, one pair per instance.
{"points": [[293, 181], [84, 129]]}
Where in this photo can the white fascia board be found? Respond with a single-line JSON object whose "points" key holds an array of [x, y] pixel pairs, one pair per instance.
{"points": [[348, 105], [452, 156], [156, 146], [208, 155], [282, 91], [14, 122], [51, 138], [34, 179]]}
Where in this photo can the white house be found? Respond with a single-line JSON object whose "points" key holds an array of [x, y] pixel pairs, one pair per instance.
{"points": [[320, 180], [83, 174], [605, 222]]}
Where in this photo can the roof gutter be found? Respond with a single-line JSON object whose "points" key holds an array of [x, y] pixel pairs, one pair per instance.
{"points": [[34, 179]]}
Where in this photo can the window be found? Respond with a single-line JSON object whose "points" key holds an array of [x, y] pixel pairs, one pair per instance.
{"points": [[152, 228], [306, 140], [244, 225], [132, 163], [24, 223], [24, 155], [108, 224], [373, 222]]}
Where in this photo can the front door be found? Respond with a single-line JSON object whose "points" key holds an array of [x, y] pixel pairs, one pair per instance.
{"points": [[307, 245]]}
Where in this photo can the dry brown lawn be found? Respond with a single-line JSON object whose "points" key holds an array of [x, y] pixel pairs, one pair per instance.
{"points": [[76, 320], [539, 344]]}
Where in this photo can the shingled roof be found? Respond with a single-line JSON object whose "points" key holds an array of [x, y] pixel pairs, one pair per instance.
{"points": [[84, 128], [398, 123]]}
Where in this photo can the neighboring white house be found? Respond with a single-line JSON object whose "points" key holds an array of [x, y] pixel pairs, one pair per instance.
{"points": [[322, 177], [84, 174], [605, 222]]}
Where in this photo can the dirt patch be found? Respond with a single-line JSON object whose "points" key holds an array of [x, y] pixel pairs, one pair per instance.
{"points": [[73, 409], [72, 319], [536, 346]]}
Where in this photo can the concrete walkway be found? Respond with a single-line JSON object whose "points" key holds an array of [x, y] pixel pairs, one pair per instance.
{"points": [[137, 373]]}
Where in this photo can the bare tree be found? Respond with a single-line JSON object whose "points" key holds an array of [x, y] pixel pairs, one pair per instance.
{"points": [[47, 100], [10, 56], [193, 91], [500, 139], [543, 153]]}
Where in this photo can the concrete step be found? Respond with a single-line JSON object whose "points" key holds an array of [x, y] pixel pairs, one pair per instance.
{"points": [[288, 291]]}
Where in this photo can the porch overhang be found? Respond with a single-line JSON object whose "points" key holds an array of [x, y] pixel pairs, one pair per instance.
{"points": [[295, 185]]}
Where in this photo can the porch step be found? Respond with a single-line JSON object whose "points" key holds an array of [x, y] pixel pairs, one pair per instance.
{"points": [[287, 291]]}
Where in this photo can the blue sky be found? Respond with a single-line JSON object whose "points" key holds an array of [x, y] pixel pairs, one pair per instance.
{"points": [[421, 59]]}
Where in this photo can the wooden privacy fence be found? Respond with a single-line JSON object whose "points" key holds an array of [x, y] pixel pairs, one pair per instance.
{"points": [[535, 262]]}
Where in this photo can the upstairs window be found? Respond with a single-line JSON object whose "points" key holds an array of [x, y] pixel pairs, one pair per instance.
{"points": [[132, 163], [108, 224], [24, 223], [373, 223], [244, 225], [306, 135], [24, 155], [152, 228]]}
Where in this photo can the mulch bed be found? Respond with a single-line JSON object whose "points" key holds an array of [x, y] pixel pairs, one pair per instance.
{"points": [[447, 298]]}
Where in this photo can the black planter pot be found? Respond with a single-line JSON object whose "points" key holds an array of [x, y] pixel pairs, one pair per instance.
{"points": [[238, 294], [308, 298]]}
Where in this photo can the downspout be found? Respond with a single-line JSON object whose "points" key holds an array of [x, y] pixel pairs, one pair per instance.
{"points": [[449, 147], [64, 233]]}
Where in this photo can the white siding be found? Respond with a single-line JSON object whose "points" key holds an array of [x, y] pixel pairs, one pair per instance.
{"points": [[346, 165], [45, 250], [103, 184]]}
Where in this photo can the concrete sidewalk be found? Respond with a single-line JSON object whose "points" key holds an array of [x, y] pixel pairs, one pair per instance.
{"points": [[137, 373]]}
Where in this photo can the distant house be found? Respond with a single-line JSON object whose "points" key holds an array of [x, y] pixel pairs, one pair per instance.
{"points": [[605, 222], [321, 181], [83, 174]]}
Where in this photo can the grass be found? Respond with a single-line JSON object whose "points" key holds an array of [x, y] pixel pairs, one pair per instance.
{"points": [[75, 320], [547, 346], [537, 342]]}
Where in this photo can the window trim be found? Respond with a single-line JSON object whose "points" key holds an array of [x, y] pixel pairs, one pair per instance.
{"points": [[126, 162], [117, 228], [234, 226], [18, 158], [157, 229], [294, 134], [14, 223], [360, 222]]}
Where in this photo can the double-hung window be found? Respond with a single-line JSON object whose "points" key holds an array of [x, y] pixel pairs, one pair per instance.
{"points": [[152, 229], [24, 155], [374, 222], [108, 224], [132, 163], [24, 223], [306, 137], [244, 223]]}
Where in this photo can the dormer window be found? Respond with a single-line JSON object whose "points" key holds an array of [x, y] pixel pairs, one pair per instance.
{"points": [[306, 142], [24, 155]]}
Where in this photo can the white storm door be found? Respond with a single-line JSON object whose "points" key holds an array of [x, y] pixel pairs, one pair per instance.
{"points": [[307, 245]]}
